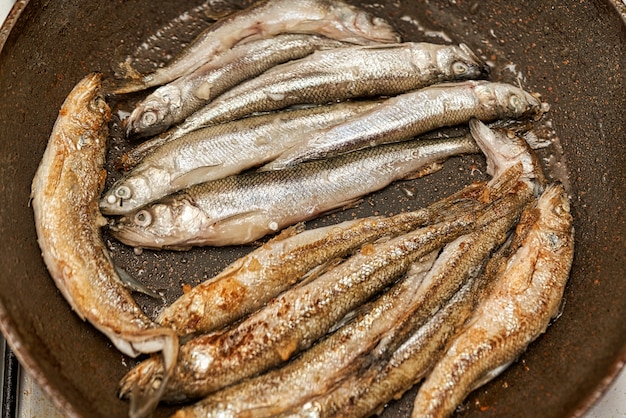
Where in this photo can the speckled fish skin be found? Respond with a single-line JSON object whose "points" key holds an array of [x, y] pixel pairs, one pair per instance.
{"points": [[526, 296], [173, 102], [407, 357], [244, 208], [334, 19], [337, 74], [217, 152], [411, 114], [323, 365], [294, 320], [65, 193], [264, 273]]}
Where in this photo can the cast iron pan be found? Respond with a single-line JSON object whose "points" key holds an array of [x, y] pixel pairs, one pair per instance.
{"points": [[572, 52]]}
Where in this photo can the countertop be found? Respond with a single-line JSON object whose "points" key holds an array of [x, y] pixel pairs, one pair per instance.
{"points": [[33, 401]]}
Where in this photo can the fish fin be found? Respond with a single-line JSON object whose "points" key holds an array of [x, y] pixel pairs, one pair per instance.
{"points": [[424, 171], [289, 232], [135, 285], [195, 176]]}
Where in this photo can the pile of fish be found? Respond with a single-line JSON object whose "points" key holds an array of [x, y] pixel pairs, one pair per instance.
{"points": [[274, 115]]}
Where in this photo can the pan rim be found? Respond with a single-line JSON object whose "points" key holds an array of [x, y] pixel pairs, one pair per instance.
{"points": [[10, 329]]}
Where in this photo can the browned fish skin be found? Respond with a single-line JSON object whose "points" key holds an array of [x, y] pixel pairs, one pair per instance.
{"points": [[254, 279], [292, 321], [365, 392], [529, 291], [320, 367], [65, 194]]}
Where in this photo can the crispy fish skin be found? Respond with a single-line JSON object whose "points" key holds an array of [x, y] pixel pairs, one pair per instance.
{"points": [[241, 209], [320, 367], [217, 152], [334, 19], [526, 296], [65, 193], [293, 321], [173, 102], [411, 114], [264, 273], [337, 74]]}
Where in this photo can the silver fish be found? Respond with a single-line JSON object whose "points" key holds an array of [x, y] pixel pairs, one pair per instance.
{"points": [[318, 369], [293, 321], [173, 102], [65, 193], [334, 19], [337, 74], [289, 258], [241, 209], [410, 114], [526, 296], [217, 152]]}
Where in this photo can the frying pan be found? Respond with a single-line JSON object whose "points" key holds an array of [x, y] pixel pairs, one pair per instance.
{"points": [[572, 52]]}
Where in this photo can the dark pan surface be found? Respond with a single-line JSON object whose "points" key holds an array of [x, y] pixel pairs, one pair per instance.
{"points": [[573, 53]]}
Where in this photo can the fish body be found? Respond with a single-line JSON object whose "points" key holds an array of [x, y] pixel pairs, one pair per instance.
{"points": [[337, 74], [410, 114], [217, 152], [264, 19], [294, 320], [525, 297], [241, 209], [267, 271], [318, 369], [65, 194], [173, 102]]}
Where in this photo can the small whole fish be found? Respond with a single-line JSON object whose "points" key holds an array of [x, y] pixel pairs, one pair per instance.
{"points": [[318, 369], [336, 74], [267, 271], [333, 19], [411, 114], [529, 289], [240, 209], [173, 102], [65, 194], [217, 152], [291, 322]]}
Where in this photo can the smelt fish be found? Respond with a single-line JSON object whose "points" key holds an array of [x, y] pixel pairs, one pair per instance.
{"points": [[336, 74], [331, 18], [65, 193], [318, 369], [267, 271], [173, 102], [218, 151], [293, 321], [241, 209], [526, 296], [411, 114]]}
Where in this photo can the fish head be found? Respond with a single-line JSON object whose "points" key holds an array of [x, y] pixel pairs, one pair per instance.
{"points": [[460, 63], [88, 110], [554, 208], [133, 191], [154, 114], [514, 102], [352, 24], [166, 224]]}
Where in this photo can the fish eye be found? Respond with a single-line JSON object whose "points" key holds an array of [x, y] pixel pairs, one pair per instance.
{"points": [[98, 104], [143, 218], [123, 192], [515, 102], [459, 68], [149, 118]]}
